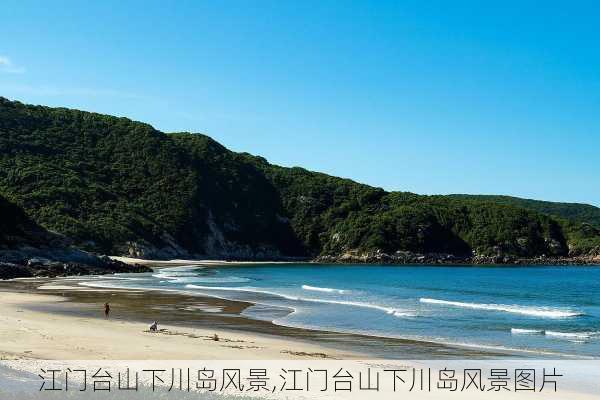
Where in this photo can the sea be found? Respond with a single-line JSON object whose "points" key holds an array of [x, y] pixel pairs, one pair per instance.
{"points": [[536, 311]]}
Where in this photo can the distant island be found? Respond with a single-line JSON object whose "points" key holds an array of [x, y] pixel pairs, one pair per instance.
{"points": [[75, 185]]}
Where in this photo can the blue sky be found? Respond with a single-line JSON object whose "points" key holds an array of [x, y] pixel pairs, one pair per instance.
{"points": [[429, 97]]}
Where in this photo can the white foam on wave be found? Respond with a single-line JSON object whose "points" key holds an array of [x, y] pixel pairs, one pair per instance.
{"points": [[519, 331], [324, 289], [389, 310], [537, 352], [447, 342], [201, 279], [571, 335], [403, 314], [543, 312], [188, 274], [181, 268]]}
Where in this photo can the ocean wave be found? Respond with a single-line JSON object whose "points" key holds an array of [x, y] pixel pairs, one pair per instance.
{"points": [[182, 268], [501, 348], [572, 335], [324, 289], [189, 274], [444, 342], [389, 310], [200, 279], [543, 312], [575, 336], [172, 275], [519, 331]]}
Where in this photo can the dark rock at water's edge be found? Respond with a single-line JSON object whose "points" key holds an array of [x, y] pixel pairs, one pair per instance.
{"points": [[11, 271], [410, 258], [45, 267], [29, 250]]}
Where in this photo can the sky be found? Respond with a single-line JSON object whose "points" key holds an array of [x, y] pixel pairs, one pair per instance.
{"points": [[428, 97]]}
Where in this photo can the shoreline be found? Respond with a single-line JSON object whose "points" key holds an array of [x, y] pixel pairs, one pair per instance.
{"points": [[39, 266], [189, 312], [199, 262], [380, 259], [204, 316]]}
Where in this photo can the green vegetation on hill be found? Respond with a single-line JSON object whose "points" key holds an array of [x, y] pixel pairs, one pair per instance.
{"points": [[17, 229], [117, 186], [582, 213], [28, 250], [580, 222]]}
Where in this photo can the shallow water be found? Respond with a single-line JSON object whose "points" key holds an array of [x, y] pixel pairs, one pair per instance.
{"points": [[537, 311]]}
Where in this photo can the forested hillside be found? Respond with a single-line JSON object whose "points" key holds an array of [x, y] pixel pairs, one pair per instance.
{"points": [[18, 229], [570, 211], [27, 250], [115, 186]]}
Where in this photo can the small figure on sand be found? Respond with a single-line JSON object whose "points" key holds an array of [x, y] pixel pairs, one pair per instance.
{"points": [[154, 326], [106, 310]]}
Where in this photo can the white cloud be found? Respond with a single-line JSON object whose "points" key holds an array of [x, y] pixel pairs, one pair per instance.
{"points": [[7, 66]]}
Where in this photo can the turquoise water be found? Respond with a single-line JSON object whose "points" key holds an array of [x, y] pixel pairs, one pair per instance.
{"points": [[544, 311]]}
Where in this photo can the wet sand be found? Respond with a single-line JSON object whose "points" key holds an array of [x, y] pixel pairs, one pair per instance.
{"points": [[191, 317], [42, 326]]}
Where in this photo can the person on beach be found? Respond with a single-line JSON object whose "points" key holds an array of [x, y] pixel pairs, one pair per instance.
{"points": [[154, 326], [106, 310]]}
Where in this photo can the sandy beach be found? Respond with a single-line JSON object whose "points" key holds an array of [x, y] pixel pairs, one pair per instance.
{"points": [[52, 319], [25, 333]]}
